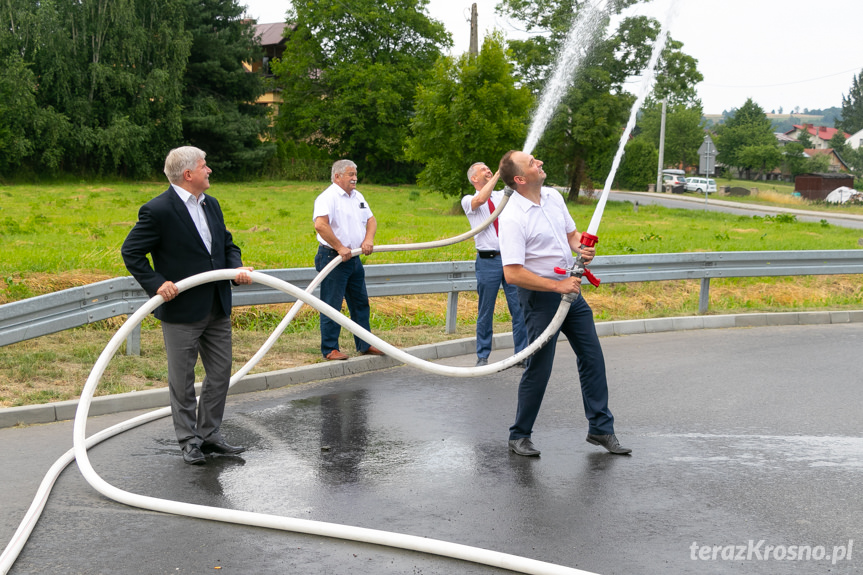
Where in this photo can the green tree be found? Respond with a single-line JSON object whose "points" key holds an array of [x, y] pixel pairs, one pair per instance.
{"points": [[818, 164], [762, 157], [219, 114], [794, 159], [469, 110], [638, 168], [744, 140], [854, 158], [349, 76], [27, 133], [17, 112], [684, 131], [805, 138], [113, 70], [852, 107], [585, 130], [838, 142]]}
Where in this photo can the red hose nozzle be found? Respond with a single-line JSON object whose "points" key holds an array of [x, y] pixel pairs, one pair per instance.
{"points": [[588, 240]]}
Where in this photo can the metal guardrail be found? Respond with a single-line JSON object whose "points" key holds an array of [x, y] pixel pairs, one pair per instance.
{"points": [[79, 306]]}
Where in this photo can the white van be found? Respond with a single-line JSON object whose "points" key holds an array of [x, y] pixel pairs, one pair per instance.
{"points": [[699, 185]]}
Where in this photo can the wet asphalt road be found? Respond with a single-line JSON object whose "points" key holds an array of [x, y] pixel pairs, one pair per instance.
{"points": [[738, 435]]}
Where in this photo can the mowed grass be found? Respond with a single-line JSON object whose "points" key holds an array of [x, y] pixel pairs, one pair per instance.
{"points": [[58, 236], [71, 230]]}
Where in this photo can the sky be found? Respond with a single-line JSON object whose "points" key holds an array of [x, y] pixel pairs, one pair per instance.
{"points": [[780, 53]]}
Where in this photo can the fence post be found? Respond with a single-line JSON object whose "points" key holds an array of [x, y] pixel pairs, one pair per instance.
{"points": [[451, 311], [704, 296], [133, 341]]}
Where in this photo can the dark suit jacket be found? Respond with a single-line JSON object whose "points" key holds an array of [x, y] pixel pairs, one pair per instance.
{"points": [[165, 230]]}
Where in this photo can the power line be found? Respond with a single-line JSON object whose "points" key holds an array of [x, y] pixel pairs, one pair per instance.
{"points": [[783, 83]]}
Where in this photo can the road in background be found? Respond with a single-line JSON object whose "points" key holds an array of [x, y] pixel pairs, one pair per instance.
{"points": [[737, 208]]}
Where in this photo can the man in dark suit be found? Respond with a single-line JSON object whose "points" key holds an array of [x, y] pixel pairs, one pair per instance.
{"points": [[184, 232]]}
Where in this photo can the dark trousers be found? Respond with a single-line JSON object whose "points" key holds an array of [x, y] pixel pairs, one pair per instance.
{"points": [[489, 280], [211, 338], [347, 282], [578, 327]]}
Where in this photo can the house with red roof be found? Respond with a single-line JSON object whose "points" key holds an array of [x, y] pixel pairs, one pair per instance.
{"points": [[820, 135]]}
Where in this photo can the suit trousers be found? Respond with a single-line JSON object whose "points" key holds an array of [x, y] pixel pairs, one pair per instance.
{"points": [[211, 338], [578, 327], [347, 282], [489, 280]]}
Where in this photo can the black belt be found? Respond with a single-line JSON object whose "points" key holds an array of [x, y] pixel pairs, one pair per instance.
{"points": [[486, 254], [328, 249]]}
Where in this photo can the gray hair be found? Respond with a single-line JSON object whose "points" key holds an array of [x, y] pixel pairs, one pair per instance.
{"points": [[181, 159], [473, 170], [339, 168]]}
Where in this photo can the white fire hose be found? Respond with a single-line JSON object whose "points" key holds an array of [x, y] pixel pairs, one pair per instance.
{"points": [[422, 544]]}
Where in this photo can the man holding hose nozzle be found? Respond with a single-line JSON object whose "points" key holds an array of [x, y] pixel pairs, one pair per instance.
{"points": [[489, 272], [538, 234]]}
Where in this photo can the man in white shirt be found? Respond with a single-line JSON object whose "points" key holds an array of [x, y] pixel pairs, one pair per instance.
{"points": [[489, 271], [344, 222], [537, 234]]}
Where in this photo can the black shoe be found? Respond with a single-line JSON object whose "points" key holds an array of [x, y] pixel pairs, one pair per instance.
{"points": [[192, 455], [523, 446], [609, 442], [221, 447], [481, 362]]}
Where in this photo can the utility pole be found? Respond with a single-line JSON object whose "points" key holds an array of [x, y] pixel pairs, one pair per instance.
{"points": [[474, 43], [661, 149]]}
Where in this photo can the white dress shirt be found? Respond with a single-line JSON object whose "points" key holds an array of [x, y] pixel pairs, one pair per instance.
{"points": [[534, 236], [348, 215], [196, 210], [486, 240]]}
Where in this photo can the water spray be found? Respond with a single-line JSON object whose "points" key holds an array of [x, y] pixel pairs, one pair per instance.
{"points": [[582, 36], [645, 86]]}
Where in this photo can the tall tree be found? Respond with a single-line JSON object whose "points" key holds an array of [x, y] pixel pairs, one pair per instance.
{"points": [[469, 110], [684, 131], [805, 138], [852, 107], [219, 113], [745, 140], [838, 142], [638, 168], [762, 157], [349, 76], [585, 130], [112, 69]]}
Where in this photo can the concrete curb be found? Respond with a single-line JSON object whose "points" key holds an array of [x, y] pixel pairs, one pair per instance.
{"points": [[156, 398]]}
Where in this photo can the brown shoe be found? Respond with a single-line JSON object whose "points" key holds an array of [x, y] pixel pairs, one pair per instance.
{"points": [[334, 355], [372, 350]]}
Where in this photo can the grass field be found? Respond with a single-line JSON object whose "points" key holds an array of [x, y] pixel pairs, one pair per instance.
{"points": [[62, 235], [59, 236]]}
